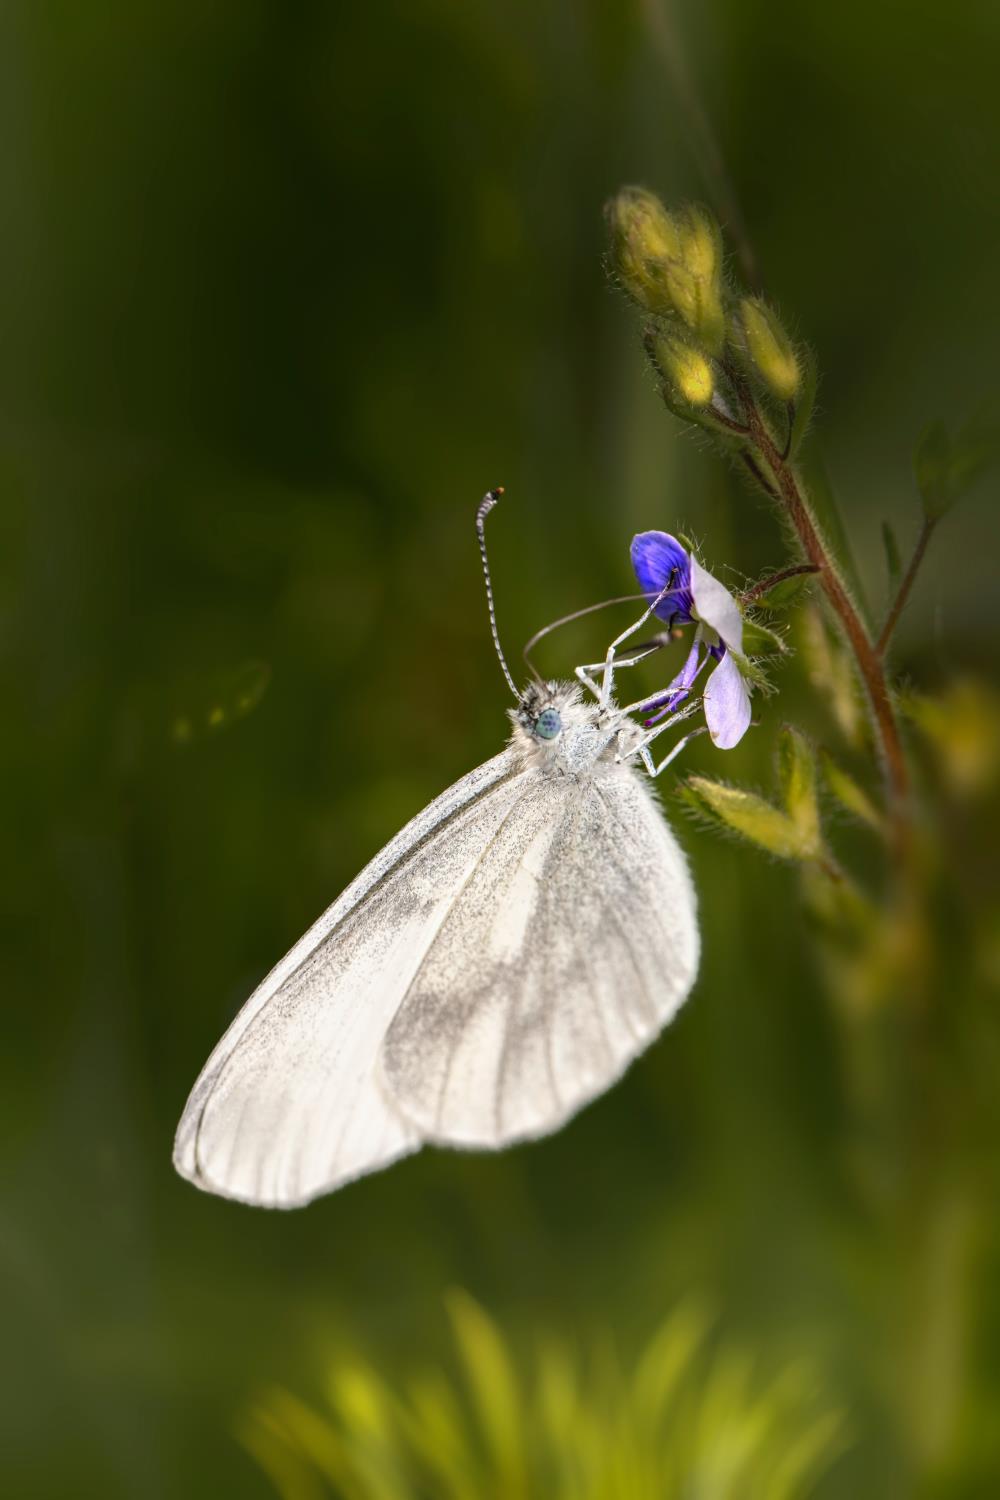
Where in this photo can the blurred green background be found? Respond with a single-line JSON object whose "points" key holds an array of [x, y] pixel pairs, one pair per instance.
{"points": [[283, 289]]}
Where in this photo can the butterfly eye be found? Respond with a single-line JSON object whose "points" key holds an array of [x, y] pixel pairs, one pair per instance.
{"points": [[548, 725]]}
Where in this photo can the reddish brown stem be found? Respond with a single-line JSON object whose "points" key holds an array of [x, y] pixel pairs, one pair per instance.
{"points": [[772, 581], [866, 655], [899, 603]]}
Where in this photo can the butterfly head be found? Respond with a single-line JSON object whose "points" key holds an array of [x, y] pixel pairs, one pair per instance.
{"points": [[539, 712]]}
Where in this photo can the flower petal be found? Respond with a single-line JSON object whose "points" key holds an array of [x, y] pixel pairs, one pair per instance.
{"points": [[715, 605], [658, 560], [673, 696], [727, 704]]}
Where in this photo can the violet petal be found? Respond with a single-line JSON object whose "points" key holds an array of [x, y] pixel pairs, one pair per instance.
{"points": [[658, 560]]}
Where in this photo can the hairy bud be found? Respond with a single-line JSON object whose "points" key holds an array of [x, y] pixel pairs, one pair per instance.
{"points": [[687, 371], [770, 349], [671, 264]]}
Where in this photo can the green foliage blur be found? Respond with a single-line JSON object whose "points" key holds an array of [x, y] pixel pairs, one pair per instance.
{"points": [[283, 290]]}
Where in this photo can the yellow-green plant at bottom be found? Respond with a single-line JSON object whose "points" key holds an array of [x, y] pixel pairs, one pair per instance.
{"points": [[683, 1420]]}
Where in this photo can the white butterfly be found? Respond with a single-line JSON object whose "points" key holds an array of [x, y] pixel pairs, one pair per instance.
{"points": [[497, 966]]}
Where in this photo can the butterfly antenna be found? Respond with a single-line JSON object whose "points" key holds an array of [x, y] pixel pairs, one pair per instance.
{"points": [[578, 614], [486, 505]]}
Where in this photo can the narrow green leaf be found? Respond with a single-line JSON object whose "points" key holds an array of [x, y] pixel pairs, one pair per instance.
{"points": [[932, 463], [493, 1386], [752, 817], [848, 793], [797, 777], [893, 563]]}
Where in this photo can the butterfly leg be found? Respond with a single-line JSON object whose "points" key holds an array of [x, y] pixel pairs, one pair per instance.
{"points": [[664, 763], [608, 683], [583, 676], [607, 666], [642, 748], [637, 654]]}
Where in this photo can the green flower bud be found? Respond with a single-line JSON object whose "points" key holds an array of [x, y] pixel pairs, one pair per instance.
{"points": [[770, 349], [797, 774], [670, 263], [697, 287], [687, 371], [644, 242], [750, 816]]}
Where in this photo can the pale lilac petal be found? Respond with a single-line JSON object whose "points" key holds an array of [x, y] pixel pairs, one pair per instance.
{"points": [[715, 605], [727, 704]]}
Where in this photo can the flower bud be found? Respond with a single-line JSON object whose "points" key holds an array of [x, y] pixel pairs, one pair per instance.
{"points": [[670, 263], [687, 371], [698, 290], [797, 774], [751, 817], [770, 349], [644, 243]]}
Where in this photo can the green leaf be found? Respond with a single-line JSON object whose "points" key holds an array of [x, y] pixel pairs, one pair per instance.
{"points": [[492, 1384], [932, 464], [751, 816], [893, 563], [786, 592], [797, 777], [848, 793]]}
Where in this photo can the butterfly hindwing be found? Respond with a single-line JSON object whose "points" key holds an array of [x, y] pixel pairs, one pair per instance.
{"points": [[568, 948]]}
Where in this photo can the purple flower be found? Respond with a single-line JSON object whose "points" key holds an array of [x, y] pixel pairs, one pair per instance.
{"points": [[660, 562]]}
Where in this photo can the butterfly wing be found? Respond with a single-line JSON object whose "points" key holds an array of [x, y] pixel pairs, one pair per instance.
{"points": [[288, 1105], [572, 943]]}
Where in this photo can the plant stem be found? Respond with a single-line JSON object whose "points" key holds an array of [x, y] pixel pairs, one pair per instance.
{"points": [[866, 656], [903, 593], [766, 584], [764, 483]]}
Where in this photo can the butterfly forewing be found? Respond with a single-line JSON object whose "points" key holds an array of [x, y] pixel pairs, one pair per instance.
{"points": [[288, 1104]]}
